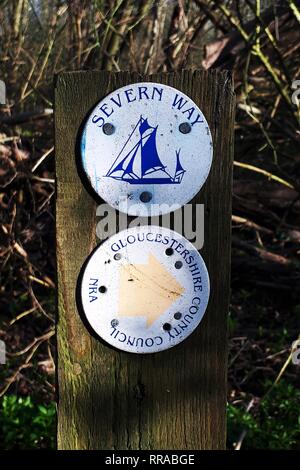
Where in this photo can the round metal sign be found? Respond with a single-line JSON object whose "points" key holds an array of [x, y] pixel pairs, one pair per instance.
{"points": [[146, 149], [145, 289]]}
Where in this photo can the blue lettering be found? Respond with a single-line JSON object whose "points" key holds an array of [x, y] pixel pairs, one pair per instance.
{"points": [[170, 335], [165, 240], [179, 102], [157, 90], [118, 103], [190, 259], [130, 341], [122, 244], [173, 241], [93, 289], [96, 119], [196, 300], [189, 112], [178, 247], [130, 239], [182, 325], [143, 91], [184, 254], [194, 269], [149, 342], [114, 332], [104, 110], [141, 239], [128, 93], [195, 307], [148, 238], [198, 119], [122, 340], [187, 316], [115, 247]]}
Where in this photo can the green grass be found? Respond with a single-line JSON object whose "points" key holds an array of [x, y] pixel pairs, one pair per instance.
{"points": [[25, 424], [275, 424]]}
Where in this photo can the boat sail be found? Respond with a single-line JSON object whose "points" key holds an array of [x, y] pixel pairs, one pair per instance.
{"points": [[141, 164]]}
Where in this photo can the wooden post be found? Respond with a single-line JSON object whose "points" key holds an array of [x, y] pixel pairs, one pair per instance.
{"points": [[109, 399]]}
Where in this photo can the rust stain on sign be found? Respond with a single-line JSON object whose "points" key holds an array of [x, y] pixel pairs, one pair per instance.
{"points": [[147, 290]]}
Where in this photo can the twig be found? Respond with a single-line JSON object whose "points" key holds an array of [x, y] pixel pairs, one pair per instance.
{"points": [[252, 225], [21, 315], [33, 348], [263, 172], [261, 253], [244, 432], [256, 50], [42, 158], [40, 339], [43, 180], [295, 10], [25, 117]]}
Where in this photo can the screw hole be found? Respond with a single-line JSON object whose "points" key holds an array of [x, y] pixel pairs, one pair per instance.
{"points": [[117, 256], [177, 315], [178, 264], [114, 322], [108, 128], [185, 128], [145, 196], [169, 251], [102, 289], [167, 326]]}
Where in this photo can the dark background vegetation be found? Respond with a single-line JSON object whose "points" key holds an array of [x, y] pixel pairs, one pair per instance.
{"points": [[259, 41]]}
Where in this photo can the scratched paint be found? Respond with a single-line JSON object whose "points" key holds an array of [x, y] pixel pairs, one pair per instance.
{"points": [[147, 152], [145, 289]]}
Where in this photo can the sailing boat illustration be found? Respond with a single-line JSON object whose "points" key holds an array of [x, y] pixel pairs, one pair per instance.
{"points": [[141, 164]]}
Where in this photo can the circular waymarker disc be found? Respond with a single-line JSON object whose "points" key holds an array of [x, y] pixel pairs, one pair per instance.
{"points": [[145, 289], [146, 149]]}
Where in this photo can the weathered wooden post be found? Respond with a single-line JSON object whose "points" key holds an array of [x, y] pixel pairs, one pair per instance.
{"points": [[109, 399]]}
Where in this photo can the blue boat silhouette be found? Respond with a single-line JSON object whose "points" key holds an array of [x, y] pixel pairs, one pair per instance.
{"points": [[141, 164]]}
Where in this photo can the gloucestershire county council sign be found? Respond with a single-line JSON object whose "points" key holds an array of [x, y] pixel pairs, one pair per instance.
{"points": [[146, 146], [145, 289]]}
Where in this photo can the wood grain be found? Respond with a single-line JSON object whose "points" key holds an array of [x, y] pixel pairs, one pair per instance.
{"points": [[114, 400]]}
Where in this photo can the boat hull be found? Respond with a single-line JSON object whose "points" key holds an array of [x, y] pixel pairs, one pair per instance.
{"points": [[148, 180]]}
